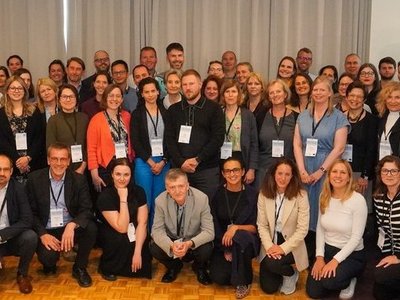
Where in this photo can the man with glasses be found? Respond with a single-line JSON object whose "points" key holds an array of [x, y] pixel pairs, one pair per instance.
{"points": [[215, 68], [304, 62], [62, 213], [119, 73]]}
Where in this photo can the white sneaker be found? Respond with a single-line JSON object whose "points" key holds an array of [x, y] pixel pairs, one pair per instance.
{"points": [[348, 292], [289, 283]]}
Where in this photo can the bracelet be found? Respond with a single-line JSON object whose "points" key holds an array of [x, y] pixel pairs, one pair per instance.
{"points": [[322, 169]]}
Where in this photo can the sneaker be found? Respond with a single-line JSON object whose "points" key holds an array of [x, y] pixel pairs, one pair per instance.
{"points": [[348, 292], [289, 283], [242, 291]]}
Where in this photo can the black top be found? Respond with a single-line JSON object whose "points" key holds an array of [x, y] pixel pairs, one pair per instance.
{"points": [[371, 101]]}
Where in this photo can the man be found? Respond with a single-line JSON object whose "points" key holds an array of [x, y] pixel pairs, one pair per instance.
{"points": [[352, 64], [387, 70], [243, 70], [148, 57], [139, 72], [101, 63], [16, 236], [194, 133], [229, 62], [75, 71], [183, 228], [14, 62], [62, 213], [119, 73], [215, 68], [398, 70], [304, 62]]}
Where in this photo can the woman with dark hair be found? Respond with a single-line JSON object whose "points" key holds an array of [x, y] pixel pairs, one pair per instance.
{"points": [[234, 210], [69, 127], [4, 75], [387, 212], [282, 221], [26, 76], [92, 106], [123, 227], [286, 70], [57, 72], [211, 87], [339, 98], [301, 92], [331, 72], [147, 138], [369, 77], [47, 99], [340, 254]]}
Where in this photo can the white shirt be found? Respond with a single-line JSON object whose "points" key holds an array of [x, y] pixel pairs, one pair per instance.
{"points": [[4, 221]]}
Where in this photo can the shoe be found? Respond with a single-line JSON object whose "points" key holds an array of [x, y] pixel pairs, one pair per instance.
{"points": [[348, 292], [242, 291], [84, 279], [289, 283], [69, 255], [170, 275], [49, 270], [108, 277], [203, 277], [24, 284]]}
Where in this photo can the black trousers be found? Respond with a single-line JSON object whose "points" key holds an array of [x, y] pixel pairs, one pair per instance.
{"points": [[85, 237], [387, 282], [22, 245], [351, 267], [206, 180], [200, 255]]}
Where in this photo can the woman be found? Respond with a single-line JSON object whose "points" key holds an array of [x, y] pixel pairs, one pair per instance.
{"points": [[57, 72], [26, 76], [282, 221], [4, 75], [92, 106], [123, 227], [234, 210], [339, 98], [47, 97], [108, 137], [172, 79], [319, 139], [240, 130], [331, 72], [286, 70], [22, 133], [388, 107], [340, 254], [387, 210], [211, 87], [301, 92], [69, 127], [277, 129], [369, 77], [147, 138]]}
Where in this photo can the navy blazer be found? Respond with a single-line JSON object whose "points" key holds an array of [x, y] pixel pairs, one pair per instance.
{"points": [[18, 211], [249, 139], [394, 137]]}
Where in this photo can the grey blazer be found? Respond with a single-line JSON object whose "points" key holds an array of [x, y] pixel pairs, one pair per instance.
{"points": [[249, 139]]}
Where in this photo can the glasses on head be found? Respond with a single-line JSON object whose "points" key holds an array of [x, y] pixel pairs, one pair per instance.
{"points": [[392, 172], [234, 171], [16, 89], [119, 73], [62, 160], [67, 97], [367, 74], [101, 60], [305, 58]]}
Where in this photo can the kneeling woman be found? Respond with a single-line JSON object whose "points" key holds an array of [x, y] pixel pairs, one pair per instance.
{"points": [[283, 217], [123, 227], [340, 254], [234, 210]]}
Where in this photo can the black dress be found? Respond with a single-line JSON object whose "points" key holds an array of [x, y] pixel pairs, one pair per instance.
{"points": [[117, 249]]}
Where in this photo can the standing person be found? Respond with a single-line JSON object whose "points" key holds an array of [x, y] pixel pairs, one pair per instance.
{"points": [[4, 75], [47, 99], [319, 139], [26, 76], [304, 61], [57, 72], [119, 73], [172, 81], [14, 62], [287, 70], [241, 139], [282, 221], [147, 137], [194, 134], [234, 210], [369, 77], [331, 72], [301, 92], [339, 98], [352, 64], [229, 62], [211, 87], [75, 72], [69, 127], [387, 210], [387, 70], [243, 70], [123, 226], [340, 254], [148, 57], [215, 68]]}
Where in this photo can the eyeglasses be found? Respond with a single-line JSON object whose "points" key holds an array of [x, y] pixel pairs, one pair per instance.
{"points": [[305, 58], [16, 89], [119, 73], [101, 60], [67, 97], [367, 74], [392, 172], [234, 171]]}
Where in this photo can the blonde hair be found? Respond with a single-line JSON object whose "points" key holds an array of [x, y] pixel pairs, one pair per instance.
{"points": [[49, 82], [284, 86], [327, 82], [384, 94], [27, 108]]}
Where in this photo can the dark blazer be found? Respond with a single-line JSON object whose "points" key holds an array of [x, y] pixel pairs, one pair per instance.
{"points": [[18, 211], [139, 131], [249, 139], [76, 194], [394, 137], [36, 135]]}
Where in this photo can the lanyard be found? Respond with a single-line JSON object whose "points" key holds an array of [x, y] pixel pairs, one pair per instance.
{"points": [[314, 127], [152, 122], [276, 124], [231, 213], [59, 194], [231, 123], [73, 131], [179, 220], [384, 130], [277, 212], [304, 108], [2, 206], [117, 129]]}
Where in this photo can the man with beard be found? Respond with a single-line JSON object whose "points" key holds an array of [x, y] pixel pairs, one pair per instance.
{"points": [[304, 62], [387, 70], [194, 134]]}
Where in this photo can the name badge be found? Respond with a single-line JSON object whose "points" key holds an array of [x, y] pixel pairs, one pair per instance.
{"points": [[381, 238], [56, 217], [120, 151], [76, 153], [184, 134], [157, 147], [278, 148], [131, 232], [384, 149], [226, 150], [21, 141], [311, 147], [348, 153]]}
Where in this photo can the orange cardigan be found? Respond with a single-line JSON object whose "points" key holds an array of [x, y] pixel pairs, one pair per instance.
{"points": [[100, 145]]}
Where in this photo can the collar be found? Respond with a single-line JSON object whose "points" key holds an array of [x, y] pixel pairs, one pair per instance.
{"points": [[199, 104], [52, 179]]}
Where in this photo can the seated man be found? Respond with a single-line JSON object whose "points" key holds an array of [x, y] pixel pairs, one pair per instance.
{"points": [[16, 236], [62, 213], [183, 228]]}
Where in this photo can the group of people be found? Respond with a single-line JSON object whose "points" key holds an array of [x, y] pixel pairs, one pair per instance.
{"points": [[218, 172]]}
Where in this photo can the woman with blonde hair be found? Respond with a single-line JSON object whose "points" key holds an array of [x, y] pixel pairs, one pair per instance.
{"points": [[340, 253], [47, 97]]}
